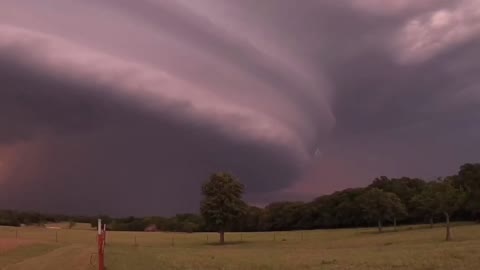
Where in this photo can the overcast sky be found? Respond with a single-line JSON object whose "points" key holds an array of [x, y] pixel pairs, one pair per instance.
{"points": [[125, 107]]}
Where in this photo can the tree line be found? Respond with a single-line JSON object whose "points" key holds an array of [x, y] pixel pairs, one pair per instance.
{"points": [[385, 201], [18, 218]]}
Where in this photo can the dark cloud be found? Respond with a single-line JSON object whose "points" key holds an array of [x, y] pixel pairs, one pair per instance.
{"points": [[33, 103], [92, 154], [132, 108], [382, 95]]}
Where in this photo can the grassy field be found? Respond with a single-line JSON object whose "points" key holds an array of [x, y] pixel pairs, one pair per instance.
{"points": [[410, 248]]}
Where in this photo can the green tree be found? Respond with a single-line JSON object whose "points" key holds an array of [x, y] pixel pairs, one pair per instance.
{"points": [[347, 210], [468, 179], [424, 203], [222, 203], [448, 199], [251, 220], [283, 215], [405, 188], [379, 205], [399, 211]]}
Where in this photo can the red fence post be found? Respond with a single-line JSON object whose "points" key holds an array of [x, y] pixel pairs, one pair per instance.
{"points": [[101, 246]]}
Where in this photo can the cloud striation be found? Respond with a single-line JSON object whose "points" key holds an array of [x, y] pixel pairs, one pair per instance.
{"points": [[125, 107]]}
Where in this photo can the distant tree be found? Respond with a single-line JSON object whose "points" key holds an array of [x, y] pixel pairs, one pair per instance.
{"points": [[405, 188], [448, 199], [468, 179], [189, 227], [398, 209], [340, 209], [379, 205], [222, 203], [348, 213], [425, 204], [9, 218], [322, 212], [283, 215], [252, 220]]}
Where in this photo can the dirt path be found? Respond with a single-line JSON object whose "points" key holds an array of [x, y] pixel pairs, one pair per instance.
{"points": [[72, 257]]}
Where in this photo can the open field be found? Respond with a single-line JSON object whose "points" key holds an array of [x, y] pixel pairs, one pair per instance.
{"points": [[410, 248]]}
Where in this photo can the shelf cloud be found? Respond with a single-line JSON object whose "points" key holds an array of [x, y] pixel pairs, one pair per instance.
{"points": [[126, 107]]}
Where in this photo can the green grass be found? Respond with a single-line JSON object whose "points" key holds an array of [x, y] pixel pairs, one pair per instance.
{"points": [[411, 248]]}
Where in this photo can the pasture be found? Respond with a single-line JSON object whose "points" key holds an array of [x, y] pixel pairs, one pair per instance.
{"points": [[412, 247]]}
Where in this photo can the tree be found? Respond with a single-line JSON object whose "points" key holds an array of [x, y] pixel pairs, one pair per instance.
{"points": [[283, 215], [468, 179], [379, 205], [251, 220], [425, 203], [398, 212], [222, 203], [405, 188], [448, 199], [348, 211]]}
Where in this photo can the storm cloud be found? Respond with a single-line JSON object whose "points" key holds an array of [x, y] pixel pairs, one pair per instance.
{"points": [[130, 105]]}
